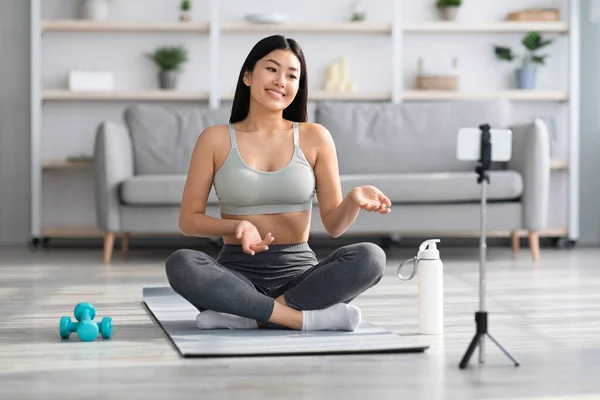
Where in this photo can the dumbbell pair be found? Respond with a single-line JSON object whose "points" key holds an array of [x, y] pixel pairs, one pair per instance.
{"points": [[87, 330]]}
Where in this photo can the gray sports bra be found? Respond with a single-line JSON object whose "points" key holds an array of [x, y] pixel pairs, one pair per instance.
{"points": [[243, 190]]}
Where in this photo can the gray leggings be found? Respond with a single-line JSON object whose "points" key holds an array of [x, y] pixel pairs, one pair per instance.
{"points": [[244, 285]]}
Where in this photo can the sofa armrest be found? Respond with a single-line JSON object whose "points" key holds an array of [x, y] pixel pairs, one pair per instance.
{"points": [[531, 158], [113, 162]]}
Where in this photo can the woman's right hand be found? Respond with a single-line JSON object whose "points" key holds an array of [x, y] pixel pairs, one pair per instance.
{"points": [[250, 237]]}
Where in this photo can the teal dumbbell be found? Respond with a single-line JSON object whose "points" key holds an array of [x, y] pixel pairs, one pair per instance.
{"points": [[87, 330]]}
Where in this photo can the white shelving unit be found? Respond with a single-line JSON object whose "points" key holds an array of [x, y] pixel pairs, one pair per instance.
{"points": [[214, 29], [103, 26]]}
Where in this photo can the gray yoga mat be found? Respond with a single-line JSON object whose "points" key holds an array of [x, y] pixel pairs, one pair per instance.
{"points": [[177, 317]]}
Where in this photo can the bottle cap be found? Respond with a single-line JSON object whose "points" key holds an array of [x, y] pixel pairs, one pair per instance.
{"points": [[428, 250]]}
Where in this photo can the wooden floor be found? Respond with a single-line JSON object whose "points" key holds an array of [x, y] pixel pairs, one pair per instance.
{"points": [[546, 314]]}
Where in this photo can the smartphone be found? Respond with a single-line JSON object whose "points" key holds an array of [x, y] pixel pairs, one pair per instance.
{"points": [[468, 145]]}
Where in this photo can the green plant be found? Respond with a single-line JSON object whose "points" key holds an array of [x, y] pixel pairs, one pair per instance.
{"points": [[357, 16], [448, 3], [169, 57], [186, 5], [532, 42]]}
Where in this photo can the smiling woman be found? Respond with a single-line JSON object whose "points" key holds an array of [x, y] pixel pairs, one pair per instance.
{"points": [[267, 165]]}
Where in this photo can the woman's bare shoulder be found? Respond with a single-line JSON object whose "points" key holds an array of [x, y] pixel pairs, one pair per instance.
{"points": [[214, 135], [313, 132]]}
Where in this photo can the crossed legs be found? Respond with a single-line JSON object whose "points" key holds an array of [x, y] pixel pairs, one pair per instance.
{"points": [[339, 278]]}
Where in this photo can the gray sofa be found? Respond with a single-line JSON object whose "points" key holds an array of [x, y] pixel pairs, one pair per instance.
{"points": [[406, 150]]}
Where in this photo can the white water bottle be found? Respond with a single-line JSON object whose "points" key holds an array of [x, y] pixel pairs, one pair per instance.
{"points": [[430, 271]]}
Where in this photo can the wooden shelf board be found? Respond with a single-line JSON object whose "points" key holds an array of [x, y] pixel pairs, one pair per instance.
{"points": [[516, 95], [143, 95], [325, 95], [315, 95], [483, 27], [117, 26], [409, 95], [309, 27], [63, 164], [75, 25]]}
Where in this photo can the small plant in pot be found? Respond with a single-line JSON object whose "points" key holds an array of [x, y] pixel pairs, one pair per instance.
{"points": [[448, 8], [169, 60], [526, 73], [185, 11]]}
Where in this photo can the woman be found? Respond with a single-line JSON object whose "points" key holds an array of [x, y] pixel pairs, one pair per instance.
{"points": [[266, 165]]}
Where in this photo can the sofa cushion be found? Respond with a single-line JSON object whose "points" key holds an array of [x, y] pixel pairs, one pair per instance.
{"points": [[439, 187], [382, 137], [166, 190], [162, 140], [156, 190]]}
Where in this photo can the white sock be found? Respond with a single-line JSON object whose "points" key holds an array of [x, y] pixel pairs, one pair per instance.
{"points": [[339, 317], [215, 320]]}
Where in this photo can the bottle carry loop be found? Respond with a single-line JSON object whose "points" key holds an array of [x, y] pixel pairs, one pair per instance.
{"points": [[415, 260], [427, 250]]}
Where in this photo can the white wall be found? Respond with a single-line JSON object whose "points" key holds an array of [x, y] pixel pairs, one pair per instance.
{"points": [[69, 127], [590, 128], [14, 122]]}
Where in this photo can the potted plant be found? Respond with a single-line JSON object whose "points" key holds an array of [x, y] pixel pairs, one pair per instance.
{"points": [[448, 8], [358, 11], [185, 8], [527, 71], [169, 60]]}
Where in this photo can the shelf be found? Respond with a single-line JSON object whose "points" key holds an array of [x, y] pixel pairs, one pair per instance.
{"points": [[409, 95], [516, 95], [147, 95], [63, 164], [485, 27], [309, 27], [116, 26], [324, 95], [305, 27], [315, 95]]}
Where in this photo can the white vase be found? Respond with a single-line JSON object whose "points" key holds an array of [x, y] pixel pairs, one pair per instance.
{"points": [[96, 10]]}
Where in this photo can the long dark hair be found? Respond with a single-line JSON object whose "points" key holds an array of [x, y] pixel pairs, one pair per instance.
{"points": [[296, 111]]}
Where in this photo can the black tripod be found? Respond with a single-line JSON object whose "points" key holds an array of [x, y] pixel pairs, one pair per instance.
{"points": [[481, 320]]}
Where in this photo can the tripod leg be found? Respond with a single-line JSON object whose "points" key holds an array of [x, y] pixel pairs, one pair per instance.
{"points": [[503, 350], [470, 351]]}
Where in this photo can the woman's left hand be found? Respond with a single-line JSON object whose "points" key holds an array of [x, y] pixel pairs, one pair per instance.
{"points": [[369, 198]]}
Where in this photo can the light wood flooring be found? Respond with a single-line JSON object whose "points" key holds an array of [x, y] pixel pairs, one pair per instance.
{"points": [[547, 314]]}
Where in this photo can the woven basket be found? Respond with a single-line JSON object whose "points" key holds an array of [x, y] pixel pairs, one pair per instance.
{"points": [[437, 82], [544, 14]]}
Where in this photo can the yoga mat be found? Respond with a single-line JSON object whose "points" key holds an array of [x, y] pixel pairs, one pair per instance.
{"points": [[177, 317]]}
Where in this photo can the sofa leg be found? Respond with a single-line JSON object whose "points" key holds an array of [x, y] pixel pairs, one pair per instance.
{"points": [[125, 244], [109, 242], [515, 241], [534, 245]]}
